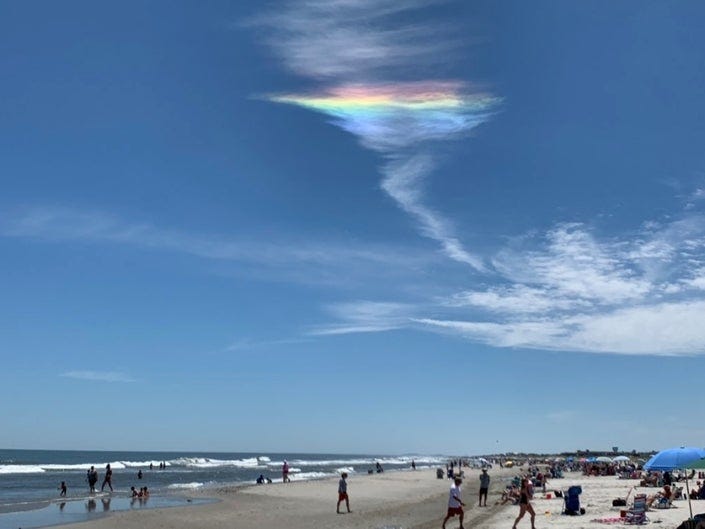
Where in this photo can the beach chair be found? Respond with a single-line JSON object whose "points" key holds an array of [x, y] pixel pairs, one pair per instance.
{"points": [[637, 514], [667, 503]]}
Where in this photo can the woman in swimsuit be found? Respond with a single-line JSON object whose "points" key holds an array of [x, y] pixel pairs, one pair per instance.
{"points": [[524, 505]]}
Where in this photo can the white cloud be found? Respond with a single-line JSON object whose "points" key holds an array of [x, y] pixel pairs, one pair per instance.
{"points": [[351, 39], [574, 264], [517, 299], [99, 376], [364, 317], [666, 329], [303, 261], [402, 181], [561, 416], [575, 292]]}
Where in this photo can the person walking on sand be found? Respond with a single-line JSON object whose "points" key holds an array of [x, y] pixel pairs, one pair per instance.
{"points": [[484, 488], [343, 493], [455, 503], [108, 480], [524, 504], [63, 489], [285, 472]]}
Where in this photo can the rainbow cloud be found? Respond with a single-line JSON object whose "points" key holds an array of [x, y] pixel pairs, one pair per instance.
{"points": [[397, 119], [357, 48], [392, 117]]}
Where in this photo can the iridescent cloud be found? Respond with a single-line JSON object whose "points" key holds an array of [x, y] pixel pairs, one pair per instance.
{"points": [[390, 117]]}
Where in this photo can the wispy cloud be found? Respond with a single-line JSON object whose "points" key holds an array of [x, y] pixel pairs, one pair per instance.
{"points": [[297, 259], [573, 291], [569, 289], [363, 59], [365, 316], [561, 416], [351, 39], [640, 295], [99, 376]]}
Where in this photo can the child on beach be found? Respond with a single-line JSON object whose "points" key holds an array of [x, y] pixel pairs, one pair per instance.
{"points": [[343, 493], [455, 503]]}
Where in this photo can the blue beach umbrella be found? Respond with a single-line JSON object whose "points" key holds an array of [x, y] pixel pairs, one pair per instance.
{"points": [[673, 458], [699, 464]]}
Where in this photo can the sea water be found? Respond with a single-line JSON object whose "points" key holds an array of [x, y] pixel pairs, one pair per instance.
{"points": [[29, 479]]}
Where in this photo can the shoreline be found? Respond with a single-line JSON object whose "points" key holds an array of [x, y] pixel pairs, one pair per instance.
{"points": [[402, 499]]}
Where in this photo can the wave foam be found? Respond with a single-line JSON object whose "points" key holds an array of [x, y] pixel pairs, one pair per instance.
{"points": [[192, 485], [309, 475], [20, 469], [205, 462]]}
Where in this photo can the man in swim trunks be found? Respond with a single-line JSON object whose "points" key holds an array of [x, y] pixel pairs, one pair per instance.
{"points": [[484, 487], [455, 503], [343, 492]]}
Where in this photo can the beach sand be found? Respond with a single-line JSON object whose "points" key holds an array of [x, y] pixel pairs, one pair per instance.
{"points": [[393, 500]]}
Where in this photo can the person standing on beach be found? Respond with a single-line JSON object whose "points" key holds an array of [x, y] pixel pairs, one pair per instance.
{"points": [[63, 489], [343, 493], [524, 504], [108, 480], [484, 487], [285, 472], [92, 477], [455, 503]]}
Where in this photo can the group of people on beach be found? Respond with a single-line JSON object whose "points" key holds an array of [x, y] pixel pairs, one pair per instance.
{"points": [[141, 494], [92, 478], [525, 492]]}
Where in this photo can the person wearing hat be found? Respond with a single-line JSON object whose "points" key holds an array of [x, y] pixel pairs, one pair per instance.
{"points": [[455, 503], [484, 487]]}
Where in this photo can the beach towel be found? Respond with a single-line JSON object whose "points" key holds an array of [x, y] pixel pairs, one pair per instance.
{"points": [[608, 520]]}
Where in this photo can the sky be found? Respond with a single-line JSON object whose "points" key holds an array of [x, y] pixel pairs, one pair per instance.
{"points": [[352, 226]]}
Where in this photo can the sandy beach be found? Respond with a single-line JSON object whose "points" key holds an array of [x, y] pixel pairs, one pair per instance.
{"points": [[394, 500]]}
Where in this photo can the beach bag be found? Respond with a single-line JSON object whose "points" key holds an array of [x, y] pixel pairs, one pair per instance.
{"points": [[621, 502]]}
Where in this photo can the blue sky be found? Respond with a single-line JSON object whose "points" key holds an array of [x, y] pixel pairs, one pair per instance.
{"points": [[206, 244]]}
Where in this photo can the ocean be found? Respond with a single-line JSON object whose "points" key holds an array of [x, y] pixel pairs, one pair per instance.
{"points": [[29, 479]]}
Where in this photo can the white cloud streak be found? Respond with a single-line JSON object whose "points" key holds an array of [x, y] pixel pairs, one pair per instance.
{"points": [[334, 40], [98, 376], [365, 317], [96, 227]]}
